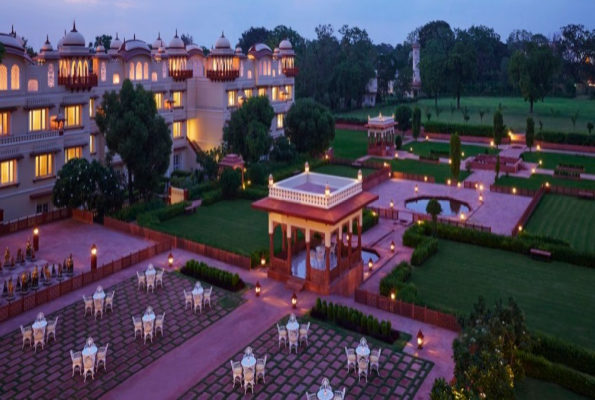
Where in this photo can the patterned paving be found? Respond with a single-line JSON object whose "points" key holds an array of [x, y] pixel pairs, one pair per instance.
{"points": [[290, 376], [48, 374]]}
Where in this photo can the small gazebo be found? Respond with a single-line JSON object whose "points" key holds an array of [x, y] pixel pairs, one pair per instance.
{"points": [[317, 214], [381, 135], [233, 161]]}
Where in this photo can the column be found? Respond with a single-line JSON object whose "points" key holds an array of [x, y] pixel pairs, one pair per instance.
{"points": [[339, 246], [359, 233], [271, 242], [289, 249], [308, 266], [283, 235], [349, 237], [327, 256]]}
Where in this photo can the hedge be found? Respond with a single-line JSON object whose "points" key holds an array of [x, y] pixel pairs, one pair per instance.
{"points": [[576, 139], [567, 174], [426, 249], [540, 368], [253, 193], [155, 217], [558, 351], [212, 197], [196, 191], [397, 281], [461, 129], [130, 214], [429, 158], [351, 120], [212, 275]]}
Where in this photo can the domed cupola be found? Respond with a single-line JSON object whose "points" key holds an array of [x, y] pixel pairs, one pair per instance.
{"points": [[47, 46], [75, 72], [287, 56], [223, 64], [74, 38], [178, 56]]}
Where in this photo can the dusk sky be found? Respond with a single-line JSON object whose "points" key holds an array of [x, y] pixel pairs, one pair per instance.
{"points": [[385, 20]]}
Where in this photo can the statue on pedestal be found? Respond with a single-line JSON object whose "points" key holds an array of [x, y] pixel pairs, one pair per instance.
{"points": [[35, 277], [7, 257], [10, 288], [28, 249], [32, 254], [12, 264], [70, 265], [53, 269]]}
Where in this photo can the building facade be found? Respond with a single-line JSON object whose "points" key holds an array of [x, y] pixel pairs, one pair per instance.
{"points": [[48, 104]]}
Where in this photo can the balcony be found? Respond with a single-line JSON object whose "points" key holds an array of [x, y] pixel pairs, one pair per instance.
{"points": [[29, 137], [290, 72], [223, 76], [181, 75], [78, 82]]}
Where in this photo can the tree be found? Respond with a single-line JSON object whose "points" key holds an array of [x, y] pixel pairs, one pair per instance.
{"points": [[416, 123], [574, 118], [230, 182], [402, 83], [438, 111], [465, 112], [455, 156], [482, 112], [403, 117], [590, 127], [438, 31], [532, 71], [386, 70], [103, 40], [461, 65], [434, 209], [283, 150], [433, 68], [253, 36], [30, 50], [499, 128], [2, 51], [452, 110], [208, 162], [132, 128], [310, 126], [187, 39], [577, 48], [530, 133], [246, 132]]}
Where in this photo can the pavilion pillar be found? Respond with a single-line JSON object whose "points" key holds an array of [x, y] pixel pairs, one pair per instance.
{"points": [[349, 237], [339, 254], [359, 233], [271, 241], [283, 235], [289, 228], [308, 266]]}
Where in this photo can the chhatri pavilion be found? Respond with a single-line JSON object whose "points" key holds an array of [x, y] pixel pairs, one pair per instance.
{"points": [[381, 135], [316, 215]]}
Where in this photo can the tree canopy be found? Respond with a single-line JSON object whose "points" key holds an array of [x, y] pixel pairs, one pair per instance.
{"points": [[310, 126], [103, 40], [455, 156]]}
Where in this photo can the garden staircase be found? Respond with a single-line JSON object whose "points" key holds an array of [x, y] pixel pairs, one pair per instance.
{"points": [[295, 283]]}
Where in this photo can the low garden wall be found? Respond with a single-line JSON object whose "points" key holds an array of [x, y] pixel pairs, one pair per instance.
{"points": [[528, 212], [413, 177], [35, 220], [468, 139], [82, 216]]}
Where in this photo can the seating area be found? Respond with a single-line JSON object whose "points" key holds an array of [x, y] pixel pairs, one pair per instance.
{"points": [[198, 298], [248, 371], [87, 361]]}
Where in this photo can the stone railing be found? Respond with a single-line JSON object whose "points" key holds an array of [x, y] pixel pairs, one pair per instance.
{"points": [[29, 137], [315, 199]]}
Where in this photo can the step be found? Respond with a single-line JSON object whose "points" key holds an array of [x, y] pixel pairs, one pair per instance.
{"points": [[295, 283]]}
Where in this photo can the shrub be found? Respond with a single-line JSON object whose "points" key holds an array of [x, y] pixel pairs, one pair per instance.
{"points": [[577, 139], [283, 151], [131, 213], [318, 306], [398, 142], [212, 275], [230, 182], [395, 280], [461, 129], [253, 193], [212, 197], [197, 190], [155, 217], [257, 174], [558, 351], [427, 248], [403, 117], [429, 158]]}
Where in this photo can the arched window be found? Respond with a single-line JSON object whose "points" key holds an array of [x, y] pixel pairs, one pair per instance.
{"points": [[249, 74], [3, 77], [154, 76], [116, 79], [164, 70], [15, 78], [51, 76], [32, 85], [139, 71], [103, 71], [269, 68], [85, 71], [260, 68], [278, 68], [242, 69], [194, 68], [146, 71], [131, 74]]}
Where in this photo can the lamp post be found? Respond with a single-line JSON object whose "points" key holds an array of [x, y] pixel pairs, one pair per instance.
{"points": [[420, 340], [359, 175], [263, 260], [270, 180], [307, 167], [416, 189], [170, 260], [93, 257], [392, 204], [393, 295], [257, 289], [36, 239], [392, 246], [294, 300], [370, 263]]}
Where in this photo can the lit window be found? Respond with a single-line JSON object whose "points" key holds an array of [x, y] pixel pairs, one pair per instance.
{"points": [[242, 69], [231, 98], [249, 74], [91, 107], [15, 79], [164, 70], [275, 93], [92, 144], [279, 121], [159, 100], [146, 71], [4, 123], [103, 71], [154, 76], [73, 152], [32, 85], [116, 79], [176, 162], [3, 77], [37, 120], [8, 171], [44, 165], [177, 99], [262, 91], [51, 76], [131, 72], [73, 116], [247, 93], [177, 130], [139, 71], [288, 92]]}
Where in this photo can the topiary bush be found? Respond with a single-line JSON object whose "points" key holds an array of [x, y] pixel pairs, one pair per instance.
{"points": [[398, 142]]}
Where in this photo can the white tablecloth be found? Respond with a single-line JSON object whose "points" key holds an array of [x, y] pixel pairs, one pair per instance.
{"points": [[325, 396], [198, 291], [89, 351], [148, 317], [248, 362], [150, 272], [362, 351], [99, 296], [293, 326], [40, 324]]}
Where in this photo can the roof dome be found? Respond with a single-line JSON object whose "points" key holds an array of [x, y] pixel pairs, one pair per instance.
{"points": [[47, 46], [74, 38], [222, 42], [176, 42], [61, 41], [116, 43], [238, 50], [134, 44], [276, 51], [19, 39], [10, 41], [100, 49], [285, 45], [158, 42]]}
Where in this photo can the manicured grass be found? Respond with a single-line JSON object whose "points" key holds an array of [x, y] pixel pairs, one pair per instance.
{"points": [[350, 144], [228, 225], [440, 172], [551, 160], [425, 149], [536, 180], [555, 297], [534, 389], [343, 170], [567, 218], [515, 114]]}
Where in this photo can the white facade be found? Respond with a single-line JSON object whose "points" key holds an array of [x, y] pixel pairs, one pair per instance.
{"points": [[47, 105]]}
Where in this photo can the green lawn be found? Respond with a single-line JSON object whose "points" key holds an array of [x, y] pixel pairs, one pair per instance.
{"points": [[551, 160], [440, 172], [515, 114], [534, 389], [350, 144], [555, 297], [536, 180], [343, 170], [424, 148], [566, 218], [228, 225]]}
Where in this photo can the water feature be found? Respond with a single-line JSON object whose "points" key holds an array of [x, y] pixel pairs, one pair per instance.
{"points": [[450, 207]]}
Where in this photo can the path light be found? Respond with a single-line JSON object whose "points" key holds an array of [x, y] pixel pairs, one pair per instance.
{"points": [[416, 189], [458, 184], [393, 296], [294, 300], [392, 246], [427, 138], [36, 239], [463, 154], [263, 261], [538, 148], [450, 161], [425, 178], [462, 216], [520, 228], [93, 257], [480, 198], [370, 263], [396, 155], [306, 167], [347, 237], [270, 180], [420, 340], [540, 162], [448, 182], [492, 143], [481, 187], [257, 289], [359, 174], [547, 184], [411, 149], [533, 170], [513, 190], [392, 204], [170, 259]]}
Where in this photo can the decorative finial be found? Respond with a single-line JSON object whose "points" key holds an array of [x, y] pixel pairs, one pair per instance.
{"points": [[47, 39], [222, 34], [134, 37], [73, 26], [158, 35], [117, 35], [176, 33], [12, 30]]}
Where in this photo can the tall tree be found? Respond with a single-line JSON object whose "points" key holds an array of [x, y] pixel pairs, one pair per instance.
{"points": [[530, 133], [434, 209], [498, 128], [433, 69], [577, 46], [187, 39], [310, 126], [531, 71], [386, 68], [103, 40], [461, 65], [403, 117], [439, 32], [282, 32], [455, 156], [252, 36], [416, 123], [132, 128]]}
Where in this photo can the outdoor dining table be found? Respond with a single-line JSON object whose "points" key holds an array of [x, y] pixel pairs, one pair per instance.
{"points": [[99, 295], [325, 392], [90, 349], [362, 351], [150, 270], [249, 362], [149, 317], [292, 323], [40, 324], [198, 289]]}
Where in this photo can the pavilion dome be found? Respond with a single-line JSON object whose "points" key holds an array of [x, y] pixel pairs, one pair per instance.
{"points": [[116, 43], [285, 45], [11, 41], [74, 38], [19, 39], [222, 42], [47, 46], [238, 50], [100, 49], [158, 42], [176, 42], [134, 44]]}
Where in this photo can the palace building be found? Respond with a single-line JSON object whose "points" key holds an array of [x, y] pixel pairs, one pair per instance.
{"points": [[48, 104]]}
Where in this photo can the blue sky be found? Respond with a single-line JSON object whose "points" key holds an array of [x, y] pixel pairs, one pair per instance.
{"points": [[385, 20]]}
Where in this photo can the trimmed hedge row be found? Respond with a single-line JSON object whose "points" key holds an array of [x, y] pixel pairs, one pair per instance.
{"points": [[253, 193], [540, 368], [424, 246], [576, 139], [429, 158], [558, 351], [212, 197], [461, 129], [130, 214], [212, 275], [197, 190], [351, 120], [567, 174], [155, 217], [397, 281]]}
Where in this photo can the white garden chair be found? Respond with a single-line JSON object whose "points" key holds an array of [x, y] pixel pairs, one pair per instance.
{"points": [[248, 380], [150, 283], [260, 368], [362, 369], [159, 323], [138, 325], [27, 333], [89, 367], [236, 370], [207, 297], [282, 335], [77, 361], [98, 307], [311, 396], [197, 298], [88, 304], [148, 330], [38, 338], [374, 359], [142, 280], [159, 277], [51, 329], [293, 341], [339, 394], [350, 358], [102, 357], [304, 333], [109, 301], [188, 299]]}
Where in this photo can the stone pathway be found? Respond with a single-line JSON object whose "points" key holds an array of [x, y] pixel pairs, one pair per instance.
{"points": [[48, 373], [290, 376]]}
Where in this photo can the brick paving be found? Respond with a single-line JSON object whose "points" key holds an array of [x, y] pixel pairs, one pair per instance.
{"points": [[48, 374], [290, 376]]}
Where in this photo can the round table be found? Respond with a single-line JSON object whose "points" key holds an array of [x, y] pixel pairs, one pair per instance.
{"points": [[99, 296], [40, 324], [248, 362], [150, 272], [325, 396], [198, 291], [362, 351], [89, 351], [293, 326], [148, 317]]}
